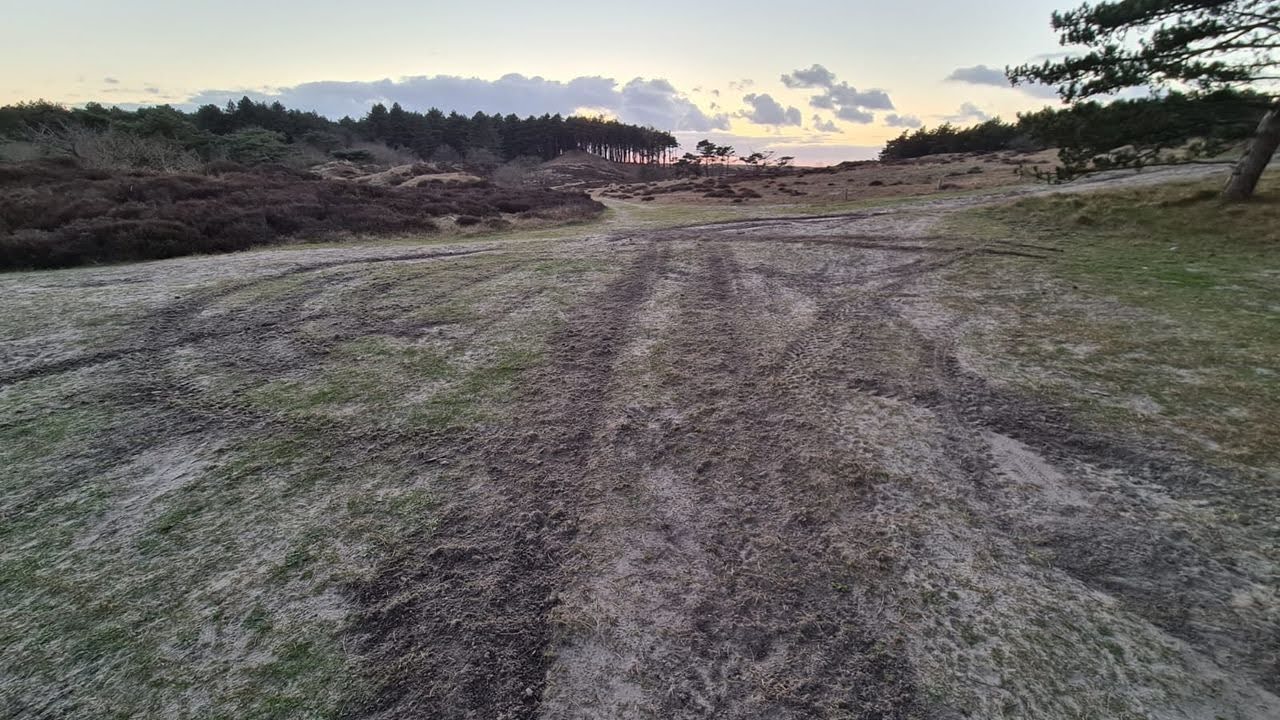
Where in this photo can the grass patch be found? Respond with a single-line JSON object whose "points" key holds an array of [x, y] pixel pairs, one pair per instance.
{"points": [[1161, 311], [628, 214], [185, 552]]}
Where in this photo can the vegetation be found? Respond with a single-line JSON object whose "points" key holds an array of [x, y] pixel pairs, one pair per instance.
{"points": [[1158, 315], [208, 573], [1147, 131], [989, 136], [1205, 45], [1096, 136], [59, 215], [253, 132]]}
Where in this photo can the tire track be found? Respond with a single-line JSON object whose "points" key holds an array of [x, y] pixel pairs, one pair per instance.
{"points": [[166, 328], [459, 624], [723, 549]]}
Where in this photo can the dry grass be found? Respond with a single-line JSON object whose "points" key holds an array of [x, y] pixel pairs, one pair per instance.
{"points": [[849, 182], [1153, 308], [181, 527], [183, 523]]}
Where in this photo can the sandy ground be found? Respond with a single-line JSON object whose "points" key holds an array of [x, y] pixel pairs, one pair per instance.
{"points": [[751, 478], [950, 173]]}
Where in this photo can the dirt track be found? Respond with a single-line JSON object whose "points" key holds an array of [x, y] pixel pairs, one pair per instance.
{"points": [[755, 479]]}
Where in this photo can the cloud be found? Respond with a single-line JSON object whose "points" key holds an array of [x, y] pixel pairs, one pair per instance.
{"points": [[110, 81], [742, 84], [995, 77], [844, 96], [855, 115], [151, 90], [969, 112], [646, 102], [816, 76], [902, 121], [765, 110], [657, 103], [824, 126], [979, 75], [845, 101]]}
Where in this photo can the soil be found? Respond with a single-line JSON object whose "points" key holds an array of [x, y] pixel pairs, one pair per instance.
{"points": [[755, 479]]}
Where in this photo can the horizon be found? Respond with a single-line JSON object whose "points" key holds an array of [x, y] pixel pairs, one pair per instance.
{"points": [[838, 92]]}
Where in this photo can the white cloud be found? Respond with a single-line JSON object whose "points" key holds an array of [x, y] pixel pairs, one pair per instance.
{"points": [[979, 75], [902, 121], [764, 110], [844, 96], [816, 76], [845, 101], [823, 126], [855, 115], [657, 103], [995, 77]]}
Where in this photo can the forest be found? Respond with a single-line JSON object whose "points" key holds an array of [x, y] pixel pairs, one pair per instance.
{"points": [[1089, 134], [253, 132]]}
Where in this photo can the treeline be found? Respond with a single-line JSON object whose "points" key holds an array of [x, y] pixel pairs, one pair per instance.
{"points": [[510, 136], [989, 136], [249, 131], [1092, 135]]}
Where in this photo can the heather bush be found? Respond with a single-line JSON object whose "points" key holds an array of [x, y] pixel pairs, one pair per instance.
{"points": [[55, 214]]}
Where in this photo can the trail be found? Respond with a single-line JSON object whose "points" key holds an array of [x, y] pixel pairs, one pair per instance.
{"points": [[752, 476], [771, 490]]}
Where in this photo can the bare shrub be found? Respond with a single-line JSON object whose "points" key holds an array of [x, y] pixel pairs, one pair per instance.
{"points": [[514, 173], [222, 167], [303, 156], [482, 161], [114, 149], [19, 151], [380, 154], [445, 154]]}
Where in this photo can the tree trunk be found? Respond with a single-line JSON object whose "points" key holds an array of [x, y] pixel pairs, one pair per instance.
{"points": [[1244, 178]]}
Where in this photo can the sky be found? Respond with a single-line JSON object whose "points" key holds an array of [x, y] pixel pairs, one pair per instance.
{"points": [[823, 80]]}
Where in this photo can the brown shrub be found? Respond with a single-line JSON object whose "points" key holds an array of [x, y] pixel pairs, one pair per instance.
{"points": [[59, 215], [513, 206], [222, 167]]}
